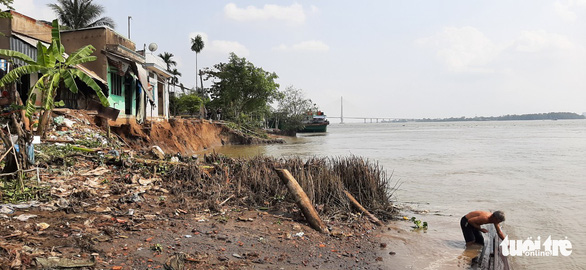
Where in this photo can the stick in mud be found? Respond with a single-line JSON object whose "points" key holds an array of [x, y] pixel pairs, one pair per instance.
{"points": [[358, 206], [302, 201]]}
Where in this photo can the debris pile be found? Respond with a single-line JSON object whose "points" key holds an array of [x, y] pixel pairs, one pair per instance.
{"points": [[104, 206]]}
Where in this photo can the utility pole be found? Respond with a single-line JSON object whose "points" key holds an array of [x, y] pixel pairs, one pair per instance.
{"points": [[129, 17]]}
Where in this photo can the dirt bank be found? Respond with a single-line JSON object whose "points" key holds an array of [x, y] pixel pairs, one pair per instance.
{"points": [[185, 136]]}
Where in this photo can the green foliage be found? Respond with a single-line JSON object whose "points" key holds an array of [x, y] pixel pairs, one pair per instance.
{"points": [[189, 104], [241, 88], [419, 224], [17, 191], [8, 4], [510, 117], [176, 74], [173, 101], [168, 59], [76, 14], [292, 109], [197, 44], [55, 70], [157, 247]]}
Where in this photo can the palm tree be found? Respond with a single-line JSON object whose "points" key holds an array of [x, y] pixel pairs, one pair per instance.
{"points": [[196, 46], [53, 70], [8, 4], [168, 58], [176, 74], [76, 14]]}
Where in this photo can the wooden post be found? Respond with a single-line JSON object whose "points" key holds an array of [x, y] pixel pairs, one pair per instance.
{"points": [[358, 206], [302, 201]]}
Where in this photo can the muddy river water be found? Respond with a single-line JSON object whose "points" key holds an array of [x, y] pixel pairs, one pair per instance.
{"points": [[534, 171]]}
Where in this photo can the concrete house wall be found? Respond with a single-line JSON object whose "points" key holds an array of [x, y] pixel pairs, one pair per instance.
{"points": [[98, 37], [159, 82], [107, 41]]}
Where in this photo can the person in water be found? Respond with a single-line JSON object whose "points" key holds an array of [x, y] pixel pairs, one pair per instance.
{"points": [[471, 222]]}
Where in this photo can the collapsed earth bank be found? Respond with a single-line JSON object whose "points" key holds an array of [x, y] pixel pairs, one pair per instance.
{"points": [[185, 136]]}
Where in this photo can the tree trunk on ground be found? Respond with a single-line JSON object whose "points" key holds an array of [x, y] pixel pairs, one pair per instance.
{"points": [[360, 208], [302, 201]]}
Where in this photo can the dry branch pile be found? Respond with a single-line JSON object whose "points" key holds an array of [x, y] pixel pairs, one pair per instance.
{"points": [[253, 181]]}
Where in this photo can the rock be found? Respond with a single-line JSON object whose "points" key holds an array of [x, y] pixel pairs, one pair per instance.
{"points": [[383, 245]]}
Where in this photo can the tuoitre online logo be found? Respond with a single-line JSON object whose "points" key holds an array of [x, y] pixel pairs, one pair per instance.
{"points": [[531, 247]]}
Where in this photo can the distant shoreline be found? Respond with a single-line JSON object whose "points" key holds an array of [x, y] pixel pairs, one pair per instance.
{"points": [[513, 117]]}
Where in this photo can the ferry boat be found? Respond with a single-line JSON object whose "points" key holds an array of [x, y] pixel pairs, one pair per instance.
{"points": [[317, 122]]}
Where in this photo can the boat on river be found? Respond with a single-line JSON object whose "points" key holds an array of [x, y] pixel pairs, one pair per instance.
{"points": [[316, 122]]}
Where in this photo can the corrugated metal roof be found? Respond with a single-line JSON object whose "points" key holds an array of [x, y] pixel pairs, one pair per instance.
{"points": [[23, 46]]}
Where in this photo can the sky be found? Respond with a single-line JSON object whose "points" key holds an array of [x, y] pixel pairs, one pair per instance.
{"points": [[388, 58]]}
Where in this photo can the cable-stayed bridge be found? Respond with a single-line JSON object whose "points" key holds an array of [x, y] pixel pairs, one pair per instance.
{"points": [[366, 119]]}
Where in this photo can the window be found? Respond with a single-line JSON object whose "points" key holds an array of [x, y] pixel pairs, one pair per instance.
{"points": [[116, 81]]}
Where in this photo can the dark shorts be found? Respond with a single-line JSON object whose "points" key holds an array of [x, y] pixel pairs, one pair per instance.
{"points": [[471, 234]]}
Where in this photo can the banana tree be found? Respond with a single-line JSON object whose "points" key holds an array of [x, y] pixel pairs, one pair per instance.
{"points": [[56, 69]]}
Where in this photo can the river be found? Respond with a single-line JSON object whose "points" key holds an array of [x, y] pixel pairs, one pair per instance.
{"points": [[534, 171]]}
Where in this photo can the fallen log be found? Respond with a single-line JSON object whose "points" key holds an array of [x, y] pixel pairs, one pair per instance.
{"points": [[358, 206], [302, 201]]}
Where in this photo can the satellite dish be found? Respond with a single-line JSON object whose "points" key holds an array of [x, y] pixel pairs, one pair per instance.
{"points": [[153, 47]]}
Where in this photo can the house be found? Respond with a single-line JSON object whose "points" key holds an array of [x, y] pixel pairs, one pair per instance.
{"points": [[137, 81], [159, 82], [22, 33], [119, 65], [136, 84]]}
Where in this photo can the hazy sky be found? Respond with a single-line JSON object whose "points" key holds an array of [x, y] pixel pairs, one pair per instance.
{"points": [[403, 59]]}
